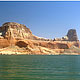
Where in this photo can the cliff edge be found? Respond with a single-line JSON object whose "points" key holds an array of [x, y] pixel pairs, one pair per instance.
{"points": [[17, 39]]}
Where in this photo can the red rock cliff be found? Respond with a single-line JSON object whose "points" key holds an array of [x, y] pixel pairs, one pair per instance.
{"points": [[18, 39]]}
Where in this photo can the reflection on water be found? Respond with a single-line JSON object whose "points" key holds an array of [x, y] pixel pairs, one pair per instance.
{"points": [[38, 67]]}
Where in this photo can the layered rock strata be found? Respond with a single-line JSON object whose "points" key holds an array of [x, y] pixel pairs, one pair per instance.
{"points": [[14, 30], [17, 39]]}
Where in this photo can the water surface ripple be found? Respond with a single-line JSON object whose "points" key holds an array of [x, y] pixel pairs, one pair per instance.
{"points": [[39, 67]]}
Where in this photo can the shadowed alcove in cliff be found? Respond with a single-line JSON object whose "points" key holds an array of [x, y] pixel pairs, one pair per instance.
{"points": [[21, 44]]}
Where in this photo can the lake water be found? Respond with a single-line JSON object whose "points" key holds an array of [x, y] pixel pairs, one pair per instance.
{"points": [[39, 67]]}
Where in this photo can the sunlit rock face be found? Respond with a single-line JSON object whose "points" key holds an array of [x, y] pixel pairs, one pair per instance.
{"points": [[11, 30], [72, 35], [4, 43], [18, 39], [15, 30]]}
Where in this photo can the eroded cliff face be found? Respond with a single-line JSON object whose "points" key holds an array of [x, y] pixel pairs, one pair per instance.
{"points": [[18, 39], [14, 30]]}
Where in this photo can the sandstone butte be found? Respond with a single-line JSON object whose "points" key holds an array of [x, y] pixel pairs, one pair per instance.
{"points": [[17, 39]]}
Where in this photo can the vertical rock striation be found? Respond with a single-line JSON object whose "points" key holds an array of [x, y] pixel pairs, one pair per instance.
{"points": [[12, 30]]}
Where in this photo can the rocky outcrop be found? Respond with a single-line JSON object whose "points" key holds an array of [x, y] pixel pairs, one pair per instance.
{"points": [[32, 47], [18, 39], [72, 35], [12, 30], [73, 50]]}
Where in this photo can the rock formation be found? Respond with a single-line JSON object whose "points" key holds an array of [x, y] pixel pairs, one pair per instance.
{"points": [[11, 30], [15, 30], [72, 35], [18, 39]]}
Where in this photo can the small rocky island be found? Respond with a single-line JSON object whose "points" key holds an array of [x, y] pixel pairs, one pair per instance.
{"points": [[17, 39]]}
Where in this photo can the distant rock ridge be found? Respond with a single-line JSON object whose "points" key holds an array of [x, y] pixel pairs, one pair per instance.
{"points": [[15, 30], [19, 31], [71, 36], [18, 39]]}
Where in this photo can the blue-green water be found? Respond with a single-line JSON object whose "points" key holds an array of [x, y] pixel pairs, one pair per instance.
{"points": [[39, 67]]}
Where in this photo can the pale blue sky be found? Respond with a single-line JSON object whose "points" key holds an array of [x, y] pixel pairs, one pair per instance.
{"points": [[45, 19]]}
